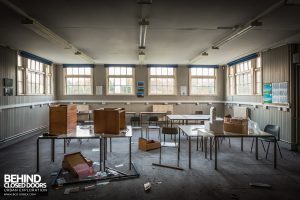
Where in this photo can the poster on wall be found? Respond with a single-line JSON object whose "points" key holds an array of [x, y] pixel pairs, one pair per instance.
{"points": [[183, 90], [140, 89], [267, 92], [280, 93]]}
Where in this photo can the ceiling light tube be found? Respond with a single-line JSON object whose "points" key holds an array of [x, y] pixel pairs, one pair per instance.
{"points": [[143, 32]]}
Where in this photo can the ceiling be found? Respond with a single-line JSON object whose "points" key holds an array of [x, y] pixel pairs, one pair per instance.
{"points": [[108, 30]]}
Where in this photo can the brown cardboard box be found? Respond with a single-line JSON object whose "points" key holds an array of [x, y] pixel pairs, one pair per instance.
{"points": [[62, 119], [78, 165], [146, 145], [109, 120], [236, 125]]}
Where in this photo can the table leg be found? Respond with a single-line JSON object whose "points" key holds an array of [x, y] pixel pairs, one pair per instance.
{"points": [[190, 164], [210, 148], [197, 143], [179, 141], [275, 153], [242, 144], [104, 153], [129, 153], [38, 155], [256, 148], [105, 148], [216, 152], [52, 149], [110, 145], [205, 146], [100, 147], [64, 145]]}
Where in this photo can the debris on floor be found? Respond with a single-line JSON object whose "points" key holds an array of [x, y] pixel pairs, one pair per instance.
{"points": [[53, 174], [60, 181], [260, 185], [102, 183], [159, 182], [96, 149], [71, 190], [120, 165], [147, 186], [90, 187]]}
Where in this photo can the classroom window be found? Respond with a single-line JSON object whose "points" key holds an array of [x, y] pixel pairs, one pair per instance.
{"points": [[162, 81], [78, 81], [202, 81], [31, 76], [245, 78], [120, 80], [258, 76]]}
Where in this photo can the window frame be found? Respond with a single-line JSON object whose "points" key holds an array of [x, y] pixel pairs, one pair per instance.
{"points": [[203, 77], [174, 76], [252, 73], [107, 76], [25, 70], [65, 76]]}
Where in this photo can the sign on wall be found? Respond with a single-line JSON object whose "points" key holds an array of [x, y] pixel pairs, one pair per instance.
{"points": [[140, 89], [267, 92], [276, 93]]}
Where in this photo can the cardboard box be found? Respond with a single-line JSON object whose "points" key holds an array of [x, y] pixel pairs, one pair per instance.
{"points": [[236, 125], [62, 119], [216, 126], [78, 165], [109, 120], [146, 145]]}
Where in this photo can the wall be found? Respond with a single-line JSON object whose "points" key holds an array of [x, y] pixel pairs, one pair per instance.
{"points": [[276, 68], [17, 121], [141, 74]]}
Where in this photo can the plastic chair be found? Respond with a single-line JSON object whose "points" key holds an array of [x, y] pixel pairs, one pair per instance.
{"points": [[135, 123], [275, 131], [152, 125]]}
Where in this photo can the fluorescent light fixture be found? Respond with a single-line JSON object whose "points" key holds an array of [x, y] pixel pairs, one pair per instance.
{"points": [[142, 57], [236, 34], [46, 33], [143, 32], [201, 54]]}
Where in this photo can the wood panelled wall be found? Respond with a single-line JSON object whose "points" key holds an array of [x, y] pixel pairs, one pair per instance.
{"points": [[18, 121]]}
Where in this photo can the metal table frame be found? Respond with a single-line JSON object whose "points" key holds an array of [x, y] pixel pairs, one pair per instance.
{"points": [[229, 135], [184, 119]]}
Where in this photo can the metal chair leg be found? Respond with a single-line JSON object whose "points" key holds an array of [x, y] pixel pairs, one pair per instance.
{"points": [[279, 150], [229, 142], [267, 150], [252, 145], [263, 145]]}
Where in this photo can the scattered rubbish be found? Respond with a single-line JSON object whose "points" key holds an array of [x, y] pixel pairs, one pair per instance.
{"points": [[111, 172], [54, 174], [260, 185], [65, 172], [120, 165], [102, 183], [71, 190], [96, 163], [90, 187], [60, 181], [147, 186], [159, 182], [96, 149], [101, 174]]}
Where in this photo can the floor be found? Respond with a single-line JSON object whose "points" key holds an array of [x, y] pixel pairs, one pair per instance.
{"points": [[231, 181]]}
